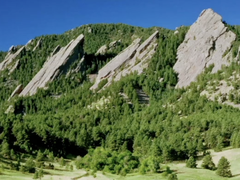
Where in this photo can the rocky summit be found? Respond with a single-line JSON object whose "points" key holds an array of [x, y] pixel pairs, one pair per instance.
{"points": [[207, 42]]}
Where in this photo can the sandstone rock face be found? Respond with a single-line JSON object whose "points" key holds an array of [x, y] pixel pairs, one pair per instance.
{"points": [[55, 65], [103, 49], [10, 57], [39, 43], [11, 49], [207, 42], [56, 50], [17, 91], [133, 58], [29, 42], [13, 68]]}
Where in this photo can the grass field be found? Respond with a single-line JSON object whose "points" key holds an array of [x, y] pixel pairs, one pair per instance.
{"points": [[183, 173]]}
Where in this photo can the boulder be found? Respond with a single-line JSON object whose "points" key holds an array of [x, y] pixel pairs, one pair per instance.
{"points": [[55, 65], [207, 42], [133, 58]]}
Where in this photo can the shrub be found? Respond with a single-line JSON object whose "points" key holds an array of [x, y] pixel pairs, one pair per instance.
{"points": [[191, 163], [172, 176]]}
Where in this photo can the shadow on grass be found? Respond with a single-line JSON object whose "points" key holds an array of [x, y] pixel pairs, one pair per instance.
{"points": [[235, 175]]}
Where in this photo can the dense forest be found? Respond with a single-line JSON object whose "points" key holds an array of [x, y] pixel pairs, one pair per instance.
{"points": [[119, 135]]}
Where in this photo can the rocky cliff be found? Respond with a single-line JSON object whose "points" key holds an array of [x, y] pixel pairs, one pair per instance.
{"points": [[58, 63], [207, 42], [10, 57], [133, 58]]}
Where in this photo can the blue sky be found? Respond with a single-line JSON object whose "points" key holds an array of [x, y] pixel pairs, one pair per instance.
{"points": [[22, 20]]}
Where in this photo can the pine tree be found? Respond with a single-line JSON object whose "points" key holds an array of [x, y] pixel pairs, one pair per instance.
{"points": [[208, 163], [223, 168]]}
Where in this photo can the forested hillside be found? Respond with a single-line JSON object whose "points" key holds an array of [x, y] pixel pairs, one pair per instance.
{"points": [[111, 129]]}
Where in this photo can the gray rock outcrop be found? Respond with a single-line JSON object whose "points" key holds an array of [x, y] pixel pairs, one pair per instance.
{"points": [[55, 65], [207, 42], [10, 57], [133, 58]]}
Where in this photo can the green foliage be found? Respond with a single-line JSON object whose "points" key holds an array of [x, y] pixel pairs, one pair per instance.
{"points": [[40, 156], [172, 176], [62, 162], [108, 161], [38, 174], [223, 168], [29, 166], [2, 55], [191, 162], [167, 172], [208, 163]]}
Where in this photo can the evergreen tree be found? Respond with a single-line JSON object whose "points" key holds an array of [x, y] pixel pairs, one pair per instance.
{"points": [[223, 168], [208, 163]]}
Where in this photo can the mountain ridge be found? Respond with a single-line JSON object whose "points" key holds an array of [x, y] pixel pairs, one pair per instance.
{"points": [[134, 121]]}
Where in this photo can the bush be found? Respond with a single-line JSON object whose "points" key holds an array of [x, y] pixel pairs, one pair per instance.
{"points": [[191, 163], [30, 166], [172, 176], [167, 171], [62, 162]]}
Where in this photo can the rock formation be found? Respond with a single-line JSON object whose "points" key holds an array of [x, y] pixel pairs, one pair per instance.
{"points": [[14, 67], [55, 65], [133, 58], [10, 57], [39, 43], [207, 42], [103, 49], [17, 91], [29, 42]]}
